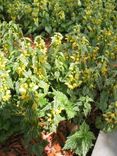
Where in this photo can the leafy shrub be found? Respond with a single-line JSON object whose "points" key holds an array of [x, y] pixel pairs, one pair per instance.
{"points": [[40, 85], [86, 70], [36, 16]]}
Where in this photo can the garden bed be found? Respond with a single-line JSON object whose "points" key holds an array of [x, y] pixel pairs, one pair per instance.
{"points": [[58, 72], [14, 145]]}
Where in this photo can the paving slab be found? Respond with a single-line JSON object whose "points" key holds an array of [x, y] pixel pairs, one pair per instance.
{"points": [[106, 144]]}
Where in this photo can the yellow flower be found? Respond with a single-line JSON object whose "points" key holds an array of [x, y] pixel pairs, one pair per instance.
{"points": [[20, 70], [109, 120], [23, 89], [7, 96], [74, 45], [74, 85], [69, 85], [50, 119], [24, 97], [34, 106], [104, 68], [71, 78], [116, 104], [57, 111], [61, 15], [112, 115]]}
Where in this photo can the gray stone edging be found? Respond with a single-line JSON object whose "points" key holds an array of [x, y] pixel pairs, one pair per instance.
{"points": [[106, 144]]}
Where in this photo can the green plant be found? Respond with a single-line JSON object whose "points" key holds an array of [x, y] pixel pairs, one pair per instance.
{"points": [[80, 141]]}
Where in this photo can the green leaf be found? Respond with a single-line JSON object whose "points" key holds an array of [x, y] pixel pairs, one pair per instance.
{"points": [[56, 121], [102, 104], [38, 148], [61, 100], [44, 85], [48, 29], [84, 104], [81, 141]]}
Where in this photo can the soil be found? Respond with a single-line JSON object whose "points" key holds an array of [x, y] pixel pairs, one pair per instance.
{"points": [[14, 145]]}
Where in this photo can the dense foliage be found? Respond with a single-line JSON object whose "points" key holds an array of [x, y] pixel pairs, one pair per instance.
{"points": [[40, 16], [73, 78]]}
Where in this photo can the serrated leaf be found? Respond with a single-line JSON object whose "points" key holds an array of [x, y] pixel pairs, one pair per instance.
{"points": [[81, 141], [44, 85], [84, 104], [57, 119], [102, 104], [61, 100]]}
